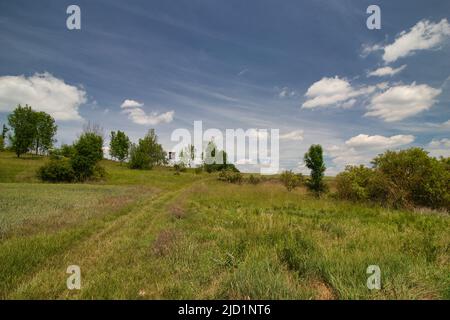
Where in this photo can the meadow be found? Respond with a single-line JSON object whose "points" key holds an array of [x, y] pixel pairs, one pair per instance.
{"points": [[153, 234]]}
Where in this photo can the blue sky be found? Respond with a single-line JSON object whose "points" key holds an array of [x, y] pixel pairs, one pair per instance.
{"points": [[303, 67]]}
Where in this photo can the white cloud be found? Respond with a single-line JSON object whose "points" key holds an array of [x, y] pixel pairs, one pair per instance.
{"points": [[296, 135], [43, 92], [128, 103], [333, 91], [423, 35], [386, 71], [402, 101], [438, 148], [285, 92], [364, 141], [361, 149], [139, 116]]}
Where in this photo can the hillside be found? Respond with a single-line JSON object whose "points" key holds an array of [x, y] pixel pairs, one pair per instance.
{"points": [[154, 234]]}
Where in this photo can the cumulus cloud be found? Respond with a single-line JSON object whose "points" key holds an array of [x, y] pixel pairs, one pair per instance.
{"points": [[43, 92], [439, 147], [296, 135], [138, 115], [423, 35], [402, 101], [361, 149], [333, 91], [364, 141], [386, 71]]}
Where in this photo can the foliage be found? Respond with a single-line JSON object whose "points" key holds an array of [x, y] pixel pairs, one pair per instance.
{"points": [[314, 161], [290, 180], [399, 179], [424, 180], [254, 179], [119, 146], [147, 153], [229, 175], [3, 138], [57, 171], [31, 130], [88, 151], [45, 132], [179, 167], [22, 124]]}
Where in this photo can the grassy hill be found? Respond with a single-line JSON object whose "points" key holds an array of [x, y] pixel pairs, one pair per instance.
{"points": [[153, 234]]}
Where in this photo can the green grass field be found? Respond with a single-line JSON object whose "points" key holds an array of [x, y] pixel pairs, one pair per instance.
{"points": [[157, 235]]}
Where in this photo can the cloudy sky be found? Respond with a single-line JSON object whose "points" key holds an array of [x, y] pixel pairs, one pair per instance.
{"points": [[311, 69]]}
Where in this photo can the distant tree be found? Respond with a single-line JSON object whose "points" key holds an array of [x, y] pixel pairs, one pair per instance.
{"points": [[45, 132], [119, 146], [22, 122], [314, 161], [147, 153], [3, 138], [88, 151]]}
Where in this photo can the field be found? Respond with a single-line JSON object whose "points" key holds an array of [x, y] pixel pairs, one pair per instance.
{"points": [[157, 235]]}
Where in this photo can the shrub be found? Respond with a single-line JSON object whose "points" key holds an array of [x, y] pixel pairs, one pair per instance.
{"points": [[290, 180], [229, 175], [254, 179], [424, 180], [88, 151], [2, 143], [57, 171], [399, 179], [179, 167]]}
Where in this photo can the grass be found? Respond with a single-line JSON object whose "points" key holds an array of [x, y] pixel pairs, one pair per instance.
{"points": [[153, 235]]}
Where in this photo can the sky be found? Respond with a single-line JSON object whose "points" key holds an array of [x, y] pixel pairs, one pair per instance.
{"points": [[311, 69]]}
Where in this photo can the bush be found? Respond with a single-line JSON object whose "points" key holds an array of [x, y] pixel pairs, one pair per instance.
{"points": [[179, 167], [57, 171], [399, 179], [254, 179], [290, 180], [229, 175], [88, 151], [424, 180]]}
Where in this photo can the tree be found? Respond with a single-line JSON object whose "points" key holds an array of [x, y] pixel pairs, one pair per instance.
{"points": [[45, 132], [147, 153], [3, 138], [22, 122], [88, 151], [314, 161], [119, 146]]}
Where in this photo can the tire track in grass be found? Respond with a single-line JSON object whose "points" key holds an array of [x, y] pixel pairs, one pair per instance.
{"points": [[105, 257]]}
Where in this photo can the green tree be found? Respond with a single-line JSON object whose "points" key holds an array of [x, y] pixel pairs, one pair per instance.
{"points": [[22, 122], [45, 132], [119, 146], [88, 151], [314, 161], [147, 153]]}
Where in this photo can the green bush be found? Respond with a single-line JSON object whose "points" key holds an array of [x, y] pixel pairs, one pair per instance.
{"points": [[57, 171], [179, 167], [88, 151], [399, 179], [254, 179], [229, 175], [290, 180]]}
